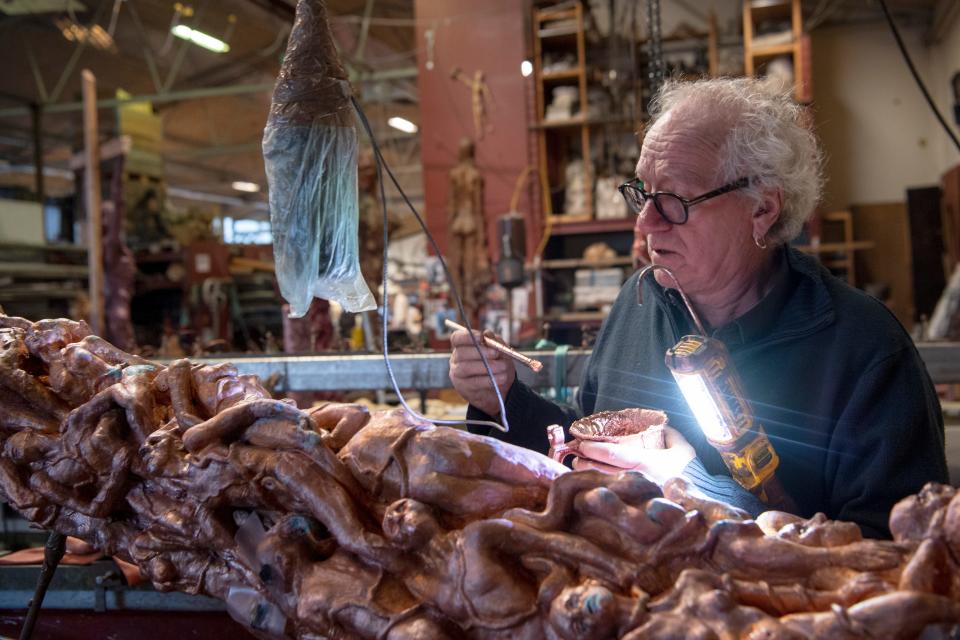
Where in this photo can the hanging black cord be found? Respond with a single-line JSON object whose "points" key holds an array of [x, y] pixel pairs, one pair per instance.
{"points": [[381, 164], [916, 76]]}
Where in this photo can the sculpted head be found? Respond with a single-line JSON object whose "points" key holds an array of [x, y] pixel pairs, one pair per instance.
{"points": [[409, 524], [911, 517], [161, 449], [585, 611]]}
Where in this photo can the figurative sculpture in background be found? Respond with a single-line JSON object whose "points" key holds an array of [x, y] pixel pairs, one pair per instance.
{"points": [[119, 266], [466, 228], [479, 97], [311, 333], [339, 523], [370, 223]]}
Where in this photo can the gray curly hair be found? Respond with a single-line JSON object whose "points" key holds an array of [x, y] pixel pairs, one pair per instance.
{"points": [[765, 140]]}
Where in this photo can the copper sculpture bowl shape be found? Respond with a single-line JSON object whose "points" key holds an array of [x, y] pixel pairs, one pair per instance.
{"points": [[610, 426]]}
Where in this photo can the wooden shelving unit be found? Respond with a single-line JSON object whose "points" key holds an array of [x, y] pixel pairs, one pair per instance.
{"points": [[557, 30], [757, 54], [41, 280]]}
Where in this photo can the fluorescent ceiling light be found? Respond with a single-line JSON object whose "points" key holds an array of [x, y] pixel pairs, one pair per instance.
{"points": [[402, 124], [200, 39], [526, 68], [246, 187], [95, 35]]}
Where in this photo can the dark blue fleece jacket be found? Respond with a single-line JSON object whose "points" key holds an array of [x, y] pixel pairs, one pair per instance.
{"points": [[831, 375]]}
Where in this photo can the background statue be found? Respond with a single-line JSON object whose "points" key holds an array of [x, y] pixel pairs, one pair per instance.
{"points": [[466, 229], [119, 266]]}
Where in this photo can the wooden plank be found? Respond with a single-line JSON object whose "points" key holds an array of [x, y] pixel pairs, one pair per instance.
{"points": [[577, 263], [770, 51], [567, 218], [91, 144], [565, 225], [108, 151], [584, 101]]}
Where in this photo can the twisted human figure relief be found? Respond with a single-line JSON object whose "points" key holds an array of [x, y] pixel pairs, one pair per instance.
{"points": [[340, 523]]}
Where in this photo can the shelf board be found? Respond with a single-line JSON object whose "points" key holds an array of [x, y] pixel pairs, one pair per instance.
{"points": [[564, 226], [578, 122], [20, 246], [560, 31], [545, 15], [577, 263], [772, 50], [566, 74], [9, 294], [766, 10], [560, 124], [42, 270], [568, 218]]}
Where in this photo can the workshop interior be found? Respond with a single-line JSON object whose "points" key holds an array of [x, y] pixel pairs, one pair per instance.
{"points": [[559, 319]]}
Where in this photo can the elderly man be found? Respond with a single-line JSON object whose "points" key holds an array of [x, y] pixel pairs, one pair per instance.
{"points": [[727, 176]]}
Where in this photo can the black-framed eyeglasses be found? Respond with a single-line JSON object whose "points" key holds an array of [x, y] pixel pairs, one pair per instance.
{"points": [[671, 207]]}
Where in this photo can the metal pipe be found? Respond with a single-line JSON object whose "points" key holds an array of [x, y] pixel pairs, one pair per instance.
{"points": [[52, 554], [364, 31], [91, 144], [194, 94], [36, 115], [655, 66], [338, 372], [659, 267], [155, 98], [37, 76]]}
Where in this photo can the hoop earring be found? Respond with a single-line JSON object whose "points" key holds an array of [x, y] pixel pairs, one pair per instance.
{"points": [[760, 241]]}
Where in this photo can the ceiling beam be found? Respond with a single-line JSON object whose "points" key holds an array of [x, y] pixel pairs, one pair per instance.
{"points": [[172, 96]]}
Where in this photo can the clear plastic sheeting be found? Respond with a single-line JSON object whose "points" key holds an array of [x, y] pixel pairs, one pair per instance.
{"points": [[312, 173], [310, 156]]}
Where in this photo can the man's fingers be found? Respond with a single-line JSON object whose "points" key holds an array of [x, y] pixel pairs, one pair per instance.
{"points": [[672, 437], [481, 383], [476, 368], [461, 338], [470, 354], [609, 453], [492, 336], [581, 464]]}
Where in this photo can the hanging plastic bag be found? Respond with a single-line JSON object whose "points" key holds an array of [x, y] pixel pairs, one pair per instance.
{"points": [[310, 156]]}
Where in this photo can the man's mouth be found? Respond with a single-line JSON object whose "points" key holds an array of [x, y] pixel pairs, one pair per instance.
{"points": [[659, 251]]}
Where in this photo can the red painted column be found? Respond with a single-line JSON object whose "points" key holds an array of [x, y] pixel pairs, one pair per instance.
{"points": [[489, 36]]}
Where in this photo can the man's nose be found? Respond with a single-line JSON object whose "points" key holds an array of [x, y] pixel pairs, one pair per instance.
{"points": [[649, 219]]}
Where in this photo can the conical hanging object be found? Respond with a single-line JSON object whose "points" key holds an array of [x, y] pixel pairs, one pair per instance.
{"points": [[310, 157]]}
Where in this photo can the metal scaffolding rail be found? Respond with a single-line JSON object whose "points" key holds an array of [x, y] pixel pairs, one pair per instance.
{"points": [[422, 371]]}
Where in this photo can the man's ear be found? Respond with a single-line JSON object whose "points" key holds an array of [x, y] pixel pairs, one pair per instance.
{"points": [[767, 212]]}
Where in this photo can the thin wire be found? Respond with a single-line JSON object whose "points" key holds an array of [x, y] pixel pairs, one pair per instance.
{"points": [[381, 164], [916, 76]]}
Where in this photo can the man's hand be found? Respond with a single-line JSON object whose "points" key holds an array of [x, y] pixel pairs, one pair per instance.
{"points": [[657, 464], [469, 377]]}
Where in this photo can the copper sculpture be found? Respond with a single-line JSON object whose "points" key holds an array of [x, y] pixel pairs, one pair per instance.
{"points": [[610, 426], [339, 523]]}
